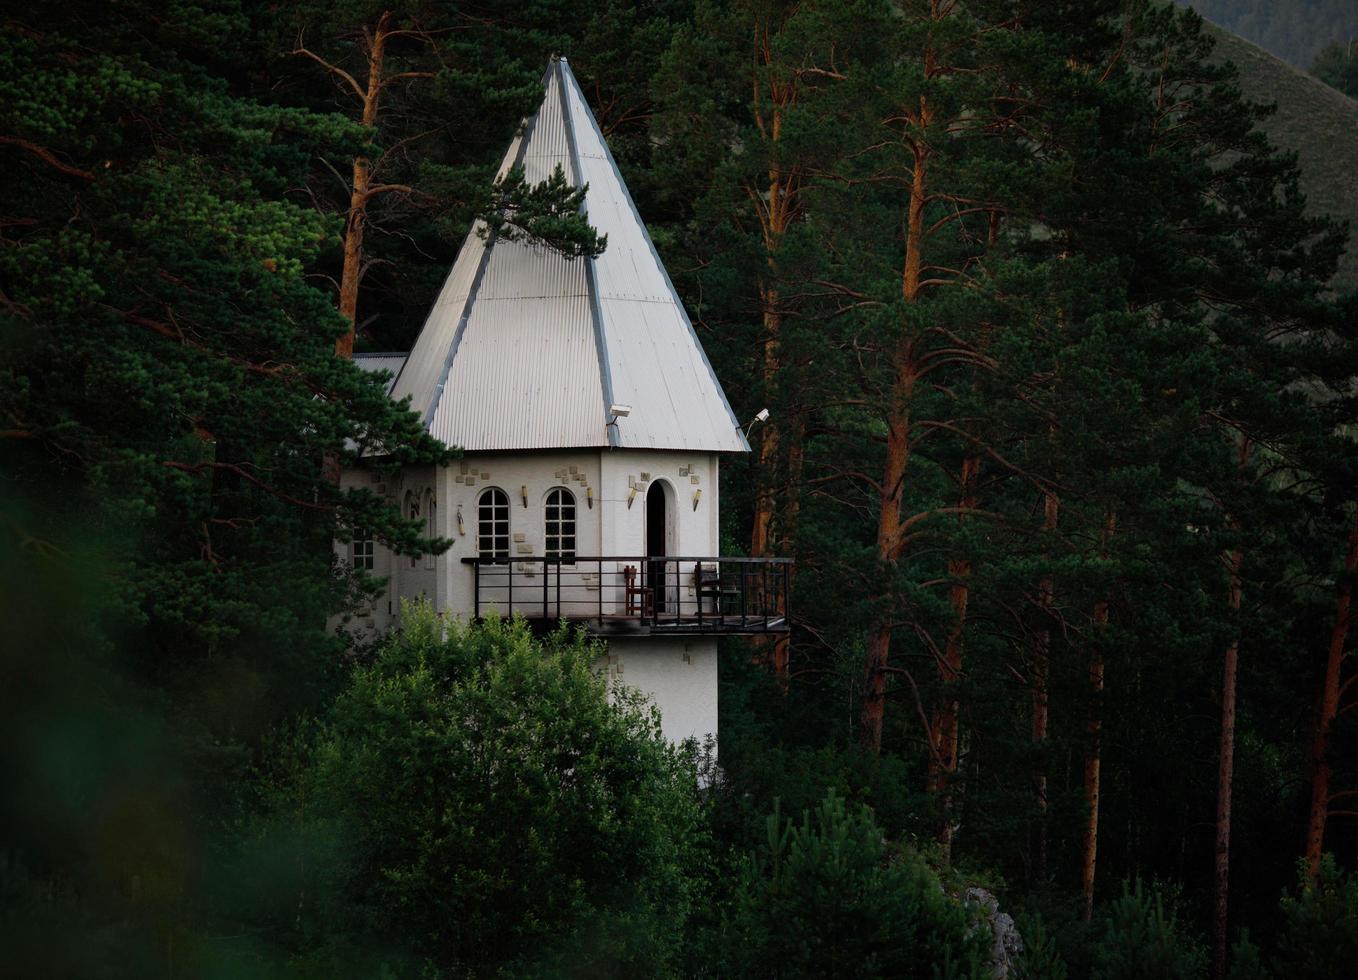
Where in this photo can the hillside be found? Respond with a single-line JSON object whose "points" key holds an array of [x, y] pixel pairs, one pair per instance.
{"points": [[1294, 30], [1319, 123]]}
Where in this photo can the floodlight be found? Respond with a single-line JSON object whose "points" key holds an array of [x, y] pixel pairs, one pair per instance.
{"points": [[761, 416]]}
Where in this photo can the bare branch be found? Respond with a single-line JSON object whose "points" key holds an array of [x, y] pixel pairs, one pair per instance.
{"points": [[405, 74], [47, 157], [333, 69], [377, 189], [197, 468]]}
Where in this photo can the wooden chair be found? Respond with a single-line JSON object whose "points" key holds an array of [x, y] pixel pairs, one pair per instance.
{"points": [[640, 601], [708, 586]]}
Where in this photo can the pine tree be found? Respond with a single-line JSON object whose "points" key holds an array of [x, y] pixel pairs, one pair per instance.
{"points": [[381, 57], [765, 74], [1337, 66]]}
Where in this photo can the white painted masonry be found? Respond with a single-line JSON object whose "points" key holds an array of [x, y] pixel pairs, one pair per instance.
{"points": [[679, 674]]}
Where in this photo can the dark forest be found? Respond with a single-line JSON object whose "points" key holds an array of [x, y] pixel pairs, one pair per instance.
{"points": [[1059, 354]]}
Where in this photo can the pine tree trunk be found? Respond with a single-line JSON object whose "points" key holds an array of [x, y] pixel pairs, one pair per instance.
{"points": [[943, 760], [898, 443], [888, 535], [791, 512], [1221, 876], [1225, 775], [1329, 710], [359, 194], [761, 537], [1092, 770], [1046, 598], [763, 540], [1094, 748], [777, 207]]}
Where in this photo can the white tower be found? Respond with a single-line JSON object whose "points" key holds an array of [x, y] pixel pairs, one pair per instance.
{"points": [[592, 425]]}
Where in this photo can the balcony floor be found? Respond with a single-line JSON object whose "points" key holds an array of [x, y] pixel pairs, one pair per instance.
{"points": [[701, 596], [619, 624]]}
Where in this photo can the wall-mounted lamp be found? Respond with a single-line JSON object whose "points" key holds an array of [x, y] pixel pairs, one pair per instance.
{"points": [[762, 416], [631, 496], [523, 492], [461, 527], [697, 496], [589, 497]]}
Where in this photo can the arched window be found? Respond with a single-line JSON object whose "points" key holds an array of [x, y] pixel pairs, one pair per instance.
{"points": [[560, 523], [431, 530], [492, 523], [412, 512]]}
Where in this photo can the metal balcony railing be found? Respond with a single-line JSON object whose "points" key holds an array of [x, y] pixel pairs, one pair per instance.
{"points": [[638, 594]]}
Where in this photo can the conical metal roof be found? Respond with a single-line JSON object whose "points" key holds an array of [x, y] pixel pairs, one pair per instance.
{"points": [[525, 349]]}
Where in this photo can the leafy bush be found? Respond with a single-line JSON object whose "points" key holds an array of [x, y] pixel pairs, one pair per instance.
{"points": [[1320, 933], [830, 897], [486, 806], [1144, 940]]}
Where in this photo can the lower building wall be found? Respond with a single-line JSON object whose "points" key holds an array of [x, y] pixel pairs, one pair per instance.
{"points": [[680, 676]]}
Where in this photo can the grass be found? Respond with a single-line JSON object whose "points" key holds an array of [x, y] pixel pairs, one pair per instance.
{"points": [[1317, 122]]}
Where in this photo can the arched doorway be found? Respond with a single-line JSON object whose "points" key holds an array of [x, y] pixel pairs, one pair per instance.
{"points": [[660, 543]]}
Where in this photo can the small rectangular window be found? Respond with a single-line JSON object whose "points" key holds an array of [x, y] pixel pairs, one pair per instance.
{"points": [[361, 549]]}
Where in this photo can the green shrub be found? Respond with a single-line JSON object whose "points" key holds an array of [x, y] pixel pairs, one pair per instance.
{"points": [[1143, 939], [1320, 926], [1041, 958], [1246, 963], [830, 897], [484, 806]]}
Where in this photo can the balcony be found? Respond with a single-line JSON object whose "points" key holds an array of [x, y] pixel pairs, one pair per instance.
{"points": [[638, 595]]}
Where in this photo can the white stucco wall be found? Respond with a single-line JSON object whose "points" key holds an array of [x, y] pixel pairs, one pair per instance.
{"points": [[679, 674], [404, 577], [606, 525], [536, 473], [624, 530]]}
